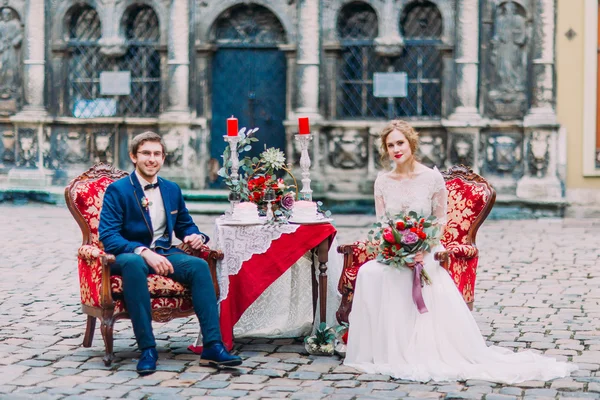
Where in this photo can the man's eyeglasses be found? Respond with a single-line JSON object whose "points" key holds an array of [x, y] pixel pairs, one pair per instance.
{"points": [[148, 154]]}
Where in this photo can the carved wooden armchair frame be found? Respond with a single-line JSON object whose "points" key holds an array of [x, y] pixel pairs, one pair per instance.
{"points": [[461, 256], [170, 299]]}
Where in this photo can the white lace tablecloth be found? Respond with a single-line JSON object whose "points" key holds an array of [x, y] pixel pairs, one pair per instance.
{"points": [[284, 309], [239, 244]]}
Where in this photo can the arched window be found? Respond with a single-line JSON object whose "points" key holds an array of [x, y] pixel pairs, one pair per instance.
{"points": [[357, 30], [421, 25], [85, 64], [143, 61]]}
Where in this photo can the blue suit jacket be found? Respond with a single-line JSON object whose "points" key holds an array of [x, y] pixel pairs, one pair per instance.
{"points": [[126, 225]]}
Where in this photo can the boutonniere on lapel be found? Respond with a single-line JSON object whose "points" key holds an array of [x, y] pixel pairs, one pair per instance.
{"points": [[146, 203]]}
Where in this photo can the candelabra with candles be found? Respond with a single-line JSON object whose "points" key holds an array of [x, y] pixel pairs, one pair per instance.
{"points": [[304, 138], [233, 139]]}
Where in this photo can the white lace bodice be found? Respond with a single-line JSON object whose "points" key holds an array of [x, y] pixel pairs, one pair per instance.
{"points": [[425, 193]]}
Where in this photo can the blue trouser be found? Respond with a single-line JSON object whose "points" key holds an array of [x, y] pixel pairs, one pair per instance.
{"points": [[190, 271]]}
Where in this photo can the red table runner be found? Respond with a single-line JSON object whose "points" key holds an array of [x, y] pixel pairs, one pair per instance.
{"points": [[260, 271]]}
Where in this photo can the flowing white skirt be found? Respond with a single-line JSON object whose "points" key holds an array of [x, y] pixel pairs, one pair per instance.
{"points": [[388, 335]]}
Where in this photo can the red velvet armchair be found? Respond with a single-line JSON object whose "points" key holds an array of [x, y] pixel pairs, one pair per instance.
{"points": [[101, 293], [470, 200]]}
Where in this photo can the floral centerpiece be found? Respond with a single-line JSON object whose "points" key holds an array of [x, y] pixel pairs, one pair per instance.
{"points": [[258, 180], [326, 340], [398, 239]]}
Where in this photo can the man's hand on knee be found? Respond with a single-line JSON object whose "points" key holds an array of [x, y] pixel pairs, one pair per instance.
{"points": [[160, 264]]}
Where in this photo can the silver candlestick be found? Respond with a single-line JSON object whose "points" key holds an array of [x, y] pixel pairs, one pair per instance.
{"points": [[235, 161], [304, 140]]}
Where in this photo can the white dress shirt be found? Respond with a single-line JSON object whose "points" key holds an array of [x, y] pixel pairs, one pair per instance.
{"points": [[156, 209]]}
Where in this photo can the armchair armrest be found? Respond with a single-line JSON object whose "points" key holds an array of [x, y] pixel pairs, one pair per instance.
{"points": [[462, 250], [95, 263], [442, 258], [211, 257], [347, 250]]}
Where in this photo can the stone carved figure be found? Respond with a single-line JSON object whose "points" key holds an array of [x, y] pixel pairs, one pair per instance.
{"points": [[28, 150], [348, 150], [509, 48], [8, 148], [538, 154], [102, 149], [11, 36], [462, 151], [509, 51]]}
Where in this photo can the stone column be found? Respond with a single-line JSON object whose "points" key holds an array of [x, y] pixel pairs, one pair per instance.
{"points": [[308, 57], [540, 180], [389, 42], [467, 60], [179, 58], [542, 100], [34, 62]]}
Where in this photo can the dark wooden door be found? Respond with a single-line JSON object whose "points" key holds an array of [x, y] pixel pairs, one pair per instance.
{"points": [[250, 84]]}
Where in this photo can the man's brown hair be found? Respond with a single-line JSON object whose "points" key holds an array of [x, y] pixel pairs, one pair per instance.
{"points": [[143, 137]]}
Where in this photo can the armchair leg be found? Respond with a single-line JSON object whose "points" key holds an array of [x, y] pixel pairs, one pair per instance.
{"points": [[89, 331], [107, 334]]}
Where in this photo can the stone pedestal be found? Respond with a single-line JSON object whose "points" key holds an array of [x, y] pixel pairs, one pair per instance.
{"points": [[540, 180]]}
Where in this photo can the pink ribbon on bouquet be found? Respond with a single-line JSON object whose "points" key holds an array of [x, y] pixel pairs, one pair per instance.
{"points": [[417, 293]]}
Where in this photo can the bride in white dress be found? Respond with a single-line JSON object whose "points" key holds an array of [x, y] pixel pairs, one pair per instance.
{"points": [[387, 334]]}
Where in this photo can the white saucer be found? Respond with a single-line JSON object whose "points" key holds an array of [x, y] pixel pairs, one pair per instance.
{"points": [[310, 222], [234, 222]]}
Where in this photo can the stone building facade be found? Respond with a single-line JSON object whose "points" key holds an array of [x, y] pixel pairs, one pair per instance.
{"points": [[81, 77]]}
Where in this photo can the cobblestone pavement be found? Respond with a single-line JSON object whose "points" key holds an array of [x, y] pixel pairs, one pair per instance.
{"points": [[538, 288]]}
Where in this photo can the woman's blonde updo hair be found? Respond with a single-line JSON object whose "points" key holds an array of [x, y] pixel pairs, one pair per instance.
{"points": [[407, 130]]}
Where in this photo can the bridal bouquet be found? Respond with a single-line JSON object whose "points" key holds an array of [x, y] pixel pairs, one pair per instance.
{"points": [[398, 240]]}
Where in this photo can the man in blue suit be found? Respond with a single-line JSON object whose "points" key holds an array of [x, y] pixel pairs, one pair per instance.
{"points": [[140, 214]]}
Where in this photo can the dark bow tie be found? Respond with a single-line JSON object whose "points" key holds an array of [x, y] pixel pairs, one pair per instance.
{"points": [[151, 186]]}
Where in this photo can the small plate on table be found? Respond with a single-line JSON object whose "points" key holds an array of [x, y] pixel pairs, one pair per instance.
{"points": [[310, 222]]}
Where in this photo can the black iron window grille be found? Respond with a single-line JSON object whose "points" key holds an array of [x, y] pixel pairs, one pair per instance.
{"points": [[142, 59], [87, 63], [84, 65], [357, 29], [421, 25]]}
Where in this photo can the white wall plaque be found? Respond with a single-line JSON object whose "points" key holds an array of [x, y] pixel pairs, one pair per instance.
{"points": [[390, 84], [115, 83]]}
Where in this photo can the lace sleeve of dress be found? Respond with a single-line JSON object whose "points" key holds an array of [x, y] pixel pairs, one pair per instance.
{"points": [[439, 199], [379, 201]]}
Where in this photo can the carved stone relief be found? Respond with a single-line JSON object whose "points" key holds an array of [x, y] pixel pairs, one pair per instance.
{"points": [[462, 150], [432, 150], [538, 153], [347, 149], [11, 37], [102, 147], [27, 148], [508, 61], [502, 153], [7, 157]]}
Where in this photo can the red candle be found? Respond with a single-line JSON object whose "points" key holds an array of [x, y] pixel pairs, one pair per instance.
{"points": [[232, 126], [303, 126]]}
